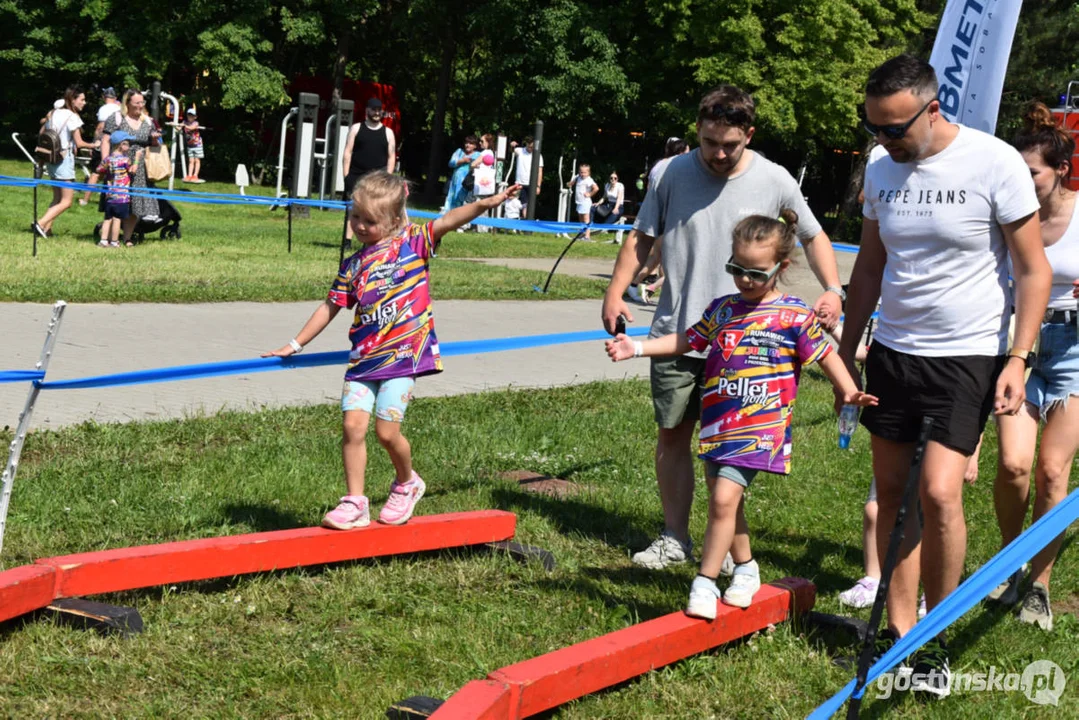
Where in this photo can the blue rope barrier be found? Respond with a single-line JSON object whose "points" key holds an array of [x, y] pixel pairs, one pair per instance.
{"points": [[999, 568], [204, 198], [13, 376], [339, 357]]}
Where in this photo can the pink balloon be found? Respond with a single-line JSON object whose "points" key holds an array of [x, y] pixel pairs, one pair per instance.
{"points": [[488, 160]]}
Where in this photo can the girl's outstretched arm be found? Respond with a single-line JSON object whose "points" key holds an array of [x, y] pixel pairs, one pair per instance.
{"points": [[318, 321], [623, 347], [467, 213], [837, 372]]}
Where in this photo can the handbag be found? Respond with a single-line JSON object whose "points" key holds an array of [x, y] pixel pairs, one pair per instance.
{"points": [[158, 163], [602, 210]]}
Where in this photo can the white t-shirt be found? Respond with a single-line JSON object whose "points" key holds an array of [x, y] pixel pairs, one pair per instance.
{"points": [[582, 190], [614, 191], [945, 285], [106, 111], [65, 123], [1063, 256], [524, 165]]}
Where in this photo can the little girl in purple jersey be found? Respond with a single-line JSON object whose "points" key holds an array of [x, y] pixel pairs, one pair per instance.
{"points": [[392, 334], [757, 343]]}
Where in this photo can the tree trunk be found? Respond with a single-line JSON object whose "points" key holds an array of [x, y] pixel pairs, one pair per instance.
{"points": [[435, 162], [339, 63]]}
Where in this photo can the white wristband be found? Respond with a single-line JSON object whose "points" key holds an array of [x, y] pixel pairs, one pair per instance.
{"points": [[638, 348], [297, 348]]}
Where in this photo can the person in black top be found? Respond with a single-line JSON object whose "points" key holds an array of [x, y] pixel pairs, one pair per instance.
{"points": [[370, 146]]}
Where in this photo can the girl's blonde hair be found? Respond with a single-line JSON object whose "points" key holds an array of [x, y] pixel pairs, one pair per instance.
{"points": [[759, 229], [383, 194]]}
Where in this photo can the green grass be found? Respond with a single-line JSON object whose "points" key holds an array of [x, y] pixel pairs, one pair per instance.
{"points": [[235, 252], [349, 639]]}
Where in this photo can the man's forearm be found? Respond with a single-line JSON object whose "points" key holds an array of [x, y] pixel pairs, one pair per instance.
{"points": [[631, 258], [821, 257], [863, 293], [1031, 298]]}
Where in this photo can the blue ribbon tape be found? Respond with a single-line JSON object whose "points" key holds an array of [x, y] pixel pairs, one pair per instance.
{"points": [[204, 198], [966, 596], [12, 376], [339, 357]]}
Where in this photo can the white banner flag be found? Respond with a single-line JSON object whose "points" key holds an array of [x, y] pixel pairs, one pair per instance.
{"points": [[970, 56]]}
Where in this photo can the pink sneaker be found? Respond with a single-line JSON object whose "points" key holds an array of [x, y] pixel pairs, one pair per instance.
{"points": [[862, 594], [351, 512], [402, 501]]}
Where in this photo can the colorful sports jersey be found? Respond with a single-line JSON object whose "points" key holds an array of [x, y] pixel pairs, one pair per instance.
{"points": [[393, 333], [192, 136], [117, 169], [755, 355]]}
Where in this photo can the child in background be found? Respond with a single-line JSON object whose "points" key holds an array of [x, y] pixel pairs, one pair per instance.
{"points": [[392, 335], [193, 143], [757, 342], [117, 170], [584, 189]]}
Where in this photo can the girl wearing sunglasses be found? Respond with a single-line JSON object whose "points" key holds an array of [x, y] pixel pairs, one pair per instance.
{"points": [[757, 342]]}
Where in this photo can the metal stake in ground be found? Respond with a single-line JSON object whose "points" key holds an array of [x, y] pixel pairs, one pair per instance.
{"points": [[37, 176], [910, 497], [345, 242], [576, 237], [533, 175], [8, 478]]}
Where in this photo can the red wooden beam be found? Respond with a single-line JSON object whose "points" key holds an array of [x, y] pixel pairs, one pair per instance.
{"points": [[25, 589], [149, 565], [478, 700], [550, 680]]}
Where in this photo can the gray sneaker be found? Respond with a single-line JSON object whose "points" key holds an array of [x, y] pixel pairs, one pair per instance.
{"points": [[1007, 593], [664, 550], [1035, 609]]}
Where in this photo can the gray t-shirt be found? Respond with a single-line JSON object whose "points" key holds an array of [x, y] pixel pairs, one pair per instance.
{"points": [[695, 212]]}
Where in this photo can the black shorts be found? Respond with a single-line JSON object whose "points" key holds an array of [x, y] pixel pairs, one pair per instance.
{"points": [[120, 211], [957, 392]]}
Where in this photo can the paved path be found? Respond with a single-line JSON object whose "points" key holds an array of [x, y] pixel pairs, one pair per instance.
{"points": [[97, 339]]}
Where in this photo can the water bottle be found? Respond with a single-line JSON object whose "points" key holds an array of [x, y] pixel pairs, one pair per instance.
{"points": [[848, 422]]}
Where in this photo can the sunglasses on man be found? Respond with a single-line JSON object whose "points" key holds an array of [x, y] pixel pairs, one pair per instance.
{"points": [[751, 274], [893, 132]]}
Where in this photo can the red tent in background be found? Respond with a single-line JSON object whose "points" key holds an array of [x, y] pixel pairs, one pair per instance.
{"points": [[1067, 116], [358, 91]]}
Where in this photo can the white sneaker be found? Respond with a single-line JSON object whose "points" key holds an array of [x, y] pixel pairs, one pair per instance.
{"points": [[921, 607], [727, 568], [862, 594], [664, 550], [744, 585], [703, 596]]}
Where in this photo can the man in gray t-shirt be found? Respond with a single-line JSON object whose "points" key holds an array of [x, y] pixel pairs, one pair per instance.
{"points": [[694, 205]]}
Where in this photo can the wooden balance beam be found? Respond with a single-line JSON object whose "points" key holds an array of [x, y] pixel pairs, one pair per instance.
{"points": [[32, 587], [533, 686]]}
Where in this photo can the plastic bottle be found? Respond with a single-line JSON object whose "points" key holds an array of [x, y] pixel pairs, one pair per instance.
{"points": [[848, 422]]}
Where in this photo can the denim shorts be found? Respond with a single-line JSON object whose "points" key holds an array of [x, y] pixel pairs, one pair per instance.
{"points": [[65, 169], [1055, 376], [388, 399], [739, 475]]}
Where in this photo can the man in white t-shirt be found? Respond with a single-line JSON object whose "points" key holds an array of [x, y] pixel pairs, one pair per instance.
{"points": [[524, 171], [107, 110], [945, 207], [584, 189]]}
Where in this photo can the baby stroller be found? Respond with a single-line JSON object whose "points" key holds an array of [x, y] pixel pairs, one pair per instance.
{"points": [[168, 223]]}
